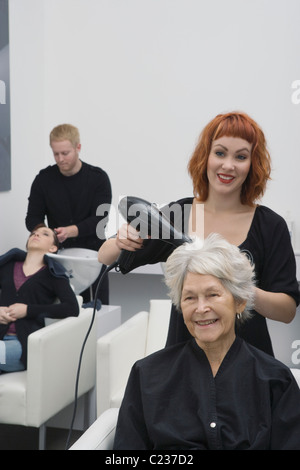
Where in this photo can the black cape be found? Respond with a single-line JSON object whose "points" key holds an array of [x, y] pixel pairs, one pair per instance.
{"points": [[172, 401]]}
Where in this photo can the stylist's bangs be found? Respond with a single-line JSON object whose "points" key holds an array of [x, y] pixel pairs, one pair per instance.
{"points": [[236, 126]]}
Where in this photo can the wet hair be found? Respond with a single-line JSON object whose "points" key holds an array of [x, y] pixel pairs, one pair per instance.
{"points": [[233, 124], [65, 132], [217, 257]]}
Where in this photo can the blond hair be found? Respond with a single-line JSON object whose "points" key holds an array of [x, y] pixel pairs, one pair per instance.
{"points": [[65, 132]]}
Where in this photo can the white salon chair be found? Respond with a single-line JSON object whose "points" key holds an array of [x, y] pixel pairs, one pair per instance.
{"points": [[32, 397], [101, 434], [119, 349]]}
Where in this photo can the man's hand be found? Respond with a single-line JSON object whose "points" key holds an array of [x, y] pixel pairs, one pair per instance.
{"points": [[63, 233]]}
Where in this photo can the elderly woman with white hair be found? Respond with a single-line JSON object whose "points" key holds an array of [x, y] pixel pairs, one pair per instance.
{"points": [[215, 391]]}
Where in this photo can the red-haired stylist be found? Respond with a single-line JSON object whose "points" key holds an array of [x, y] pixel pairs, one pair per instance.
{"points": [[230, 168]]}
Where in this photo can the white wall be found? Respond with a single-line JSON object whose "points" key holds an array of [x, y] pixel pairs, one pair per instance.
{"points": [[140, 78]]}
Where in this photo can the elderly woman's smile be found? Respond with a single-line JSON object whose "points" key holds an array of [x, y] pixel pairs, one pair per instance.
{"points": [[209, 310], [206, 322]]}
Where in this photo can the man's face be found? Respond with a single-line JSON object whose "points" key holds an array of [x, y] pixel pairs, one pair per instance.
{"points": [[66, 157]]}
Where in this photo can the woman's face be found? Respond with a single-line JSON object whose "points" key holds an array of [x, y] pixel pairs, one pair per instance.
{"points": [[228, 164], [42, 239], [209, 310]]}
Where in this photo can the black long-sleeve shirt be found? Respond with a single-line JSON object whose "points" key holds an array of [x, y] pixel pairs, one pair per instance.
{"points": [[72, 200], [40, 293], [172, 401]]}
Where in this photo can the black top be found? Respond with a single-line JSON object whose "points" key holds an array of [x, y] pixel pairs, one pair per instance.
{"points": [[72, 200], [172, 401], [40, 293], [268, 246]]}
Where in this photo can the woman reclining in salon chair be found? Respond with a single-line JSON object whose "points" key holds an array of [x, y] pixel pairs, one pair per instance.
{"points": [[30, 283], [215, 391]]}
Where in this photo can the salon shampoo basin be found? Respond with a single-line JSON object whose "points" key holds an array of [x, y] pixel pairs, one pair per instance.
{"points": [[81, 264]]}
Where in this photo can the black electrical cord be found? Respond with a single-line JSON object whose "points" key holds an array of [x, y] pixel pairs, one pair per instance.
{"points": [[107, 269]]}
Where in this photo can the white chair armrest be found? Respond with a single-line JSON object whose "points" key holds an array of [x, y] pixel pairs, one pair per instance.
{"points": [[100, 435], [117, 351], [53, 357], [48, 320], [158, 326]]}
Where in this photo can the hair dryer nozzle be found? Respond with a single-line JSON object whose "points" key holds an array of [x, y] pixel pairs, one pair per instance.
{"points": [[147, 219]]}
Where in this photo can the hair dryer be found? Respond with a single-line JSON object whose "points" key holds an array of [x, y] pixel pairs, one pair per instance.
{"points": [[150, 222]]}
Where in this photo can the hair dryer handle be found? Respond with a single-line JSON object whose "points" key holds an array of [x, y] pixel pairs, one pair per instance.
{"points": [[125, 261]]}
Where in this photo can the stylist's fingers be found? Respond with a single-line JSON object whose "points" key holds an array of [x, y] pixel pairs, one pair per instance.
{"points": [[128, 238], [61, 234], [126, 231], [133, 234]]}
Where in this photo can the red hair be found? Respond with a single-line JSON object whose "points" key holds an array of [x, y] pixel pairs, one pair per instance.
{"points": [[234, 124]]}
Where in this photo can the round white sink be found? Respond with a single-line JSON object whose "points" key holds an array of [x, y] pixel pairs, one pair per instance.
{"points": [[81, 264]]}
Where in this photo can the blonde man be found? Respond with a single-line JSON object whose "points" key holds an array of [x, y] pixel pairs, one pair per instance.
{"points": [[68, 195]]}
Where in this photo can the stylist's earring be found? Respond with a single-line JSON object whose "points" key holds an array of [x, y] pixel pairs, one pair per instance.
{"points": [[239, 316]]}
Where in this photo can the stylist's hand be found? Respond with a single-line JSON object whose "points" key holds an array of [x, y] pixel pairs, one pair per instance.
{"points": [[71, 231], [128, 238]]}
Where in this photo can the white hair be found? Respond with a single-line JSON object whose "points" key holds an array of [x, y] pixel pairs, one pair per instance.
{"points": [[216, 257]]}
